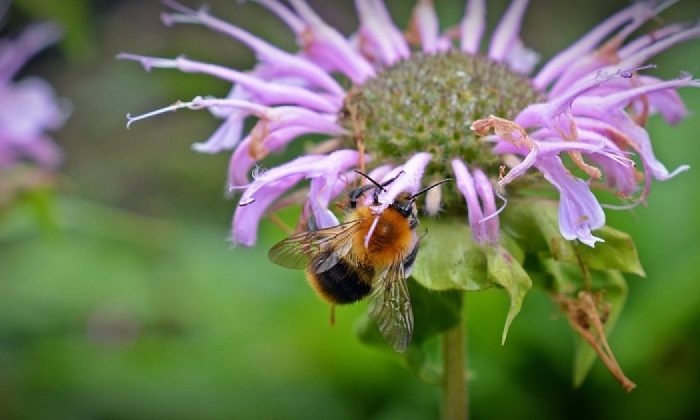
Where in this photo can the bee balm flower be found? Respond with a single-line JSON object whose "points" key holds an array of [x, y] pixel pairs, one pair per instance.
{"points": [[411, 109], [419, 103]]}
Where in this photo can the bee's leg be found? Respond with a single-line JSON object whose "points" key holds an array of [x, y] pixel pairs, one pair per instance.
{"points": [[332, 319], [357, 193]]}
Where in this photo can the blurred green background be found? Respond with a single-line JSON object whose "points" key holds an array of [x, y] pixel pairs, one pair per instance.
{"points": [[122, 299]]}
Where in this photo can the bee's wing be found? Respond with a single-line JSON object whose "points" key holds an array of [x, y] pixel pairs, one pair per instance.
{"points": [[322, 247], [390, 307]]}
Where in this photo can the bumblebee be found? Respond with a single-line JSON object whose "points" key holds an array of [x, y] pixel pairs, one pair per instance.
{"points": [[366, 255]]}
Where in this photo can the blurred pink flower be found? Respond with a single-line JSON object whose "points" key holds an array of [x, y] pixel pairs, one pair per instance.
{"points": [[28, 107]]}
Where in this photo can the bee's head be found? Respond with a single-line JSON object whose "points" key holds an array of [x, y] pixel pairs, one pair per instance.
{"points": [[405, 204]]}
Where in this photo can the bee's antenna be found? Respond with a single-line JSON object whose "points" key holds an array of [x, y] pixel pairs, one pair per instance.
{"points": [[383, 184], [370, 179], [426, 189]]}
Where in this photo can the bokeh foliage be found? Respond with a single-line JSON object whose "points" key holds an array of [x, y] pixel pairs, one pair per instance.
{"points": [[135, 306]]}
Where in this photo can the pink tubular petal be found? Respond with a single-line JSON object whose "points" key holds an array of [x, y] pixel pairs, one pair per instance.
{"points": [[373, 41], [396, 36], [472, 26], [666, 102], [621, 99], [378, 31], [296, 167], [229, 134], [488, 199], [225, 137], [323, 217], [465, 184], [247, 218], [556, 114], [642, 144], [268, 186], [409, 181], [645, 54], [380, 172], [265, 92], [648, 39], [243, 159], [579, 210], [521, 168], [620, 125], [584, 45], [609, 53], [427, 25], [277, 128], [506, 33], [521, 59], [325, 188], [280, 63], [310, 166], [619, 178], [444, 43], [289, 116], [295, 23], [327, 47]]}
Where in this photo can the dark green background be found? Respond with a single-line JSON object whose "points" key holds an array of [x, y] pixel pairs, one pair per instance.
{"points": [[134, 305]]}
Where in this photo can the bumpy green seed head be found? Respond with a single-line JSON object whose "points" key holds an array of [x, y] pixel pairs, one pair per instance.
{"points": [[426, 104]]}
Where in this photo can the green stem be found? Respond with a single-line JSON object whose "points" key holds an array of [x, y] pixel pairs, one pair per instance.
{"points": [[454, 398]]}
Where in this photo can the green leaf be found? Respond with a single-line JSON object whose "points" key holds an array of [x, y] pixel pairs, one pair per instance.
{"points": [[433, 313], [507, 272], [449, 258], [534, 223], [618, 252]]}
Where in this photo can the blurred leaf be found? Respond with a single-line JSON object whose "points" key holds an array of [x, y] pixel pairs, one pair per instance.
{"points": [[449, 258], [433, 313], [42, 203], [426, 360], [73, 15], [507, 272], [31, 189]]}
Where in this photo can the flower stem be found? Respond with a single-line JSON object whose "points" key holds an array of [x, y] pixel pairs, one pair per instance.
{"points": [[454, 398]]}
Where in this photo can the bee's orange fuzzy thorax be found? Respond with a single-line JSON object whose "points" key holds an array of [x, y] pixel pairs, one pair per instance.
{"points": [[391, 240]]}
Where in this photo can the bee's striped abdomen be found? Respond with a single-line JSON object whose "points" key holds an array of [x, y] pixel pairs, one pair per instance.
{"points": [[341, 283]]}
